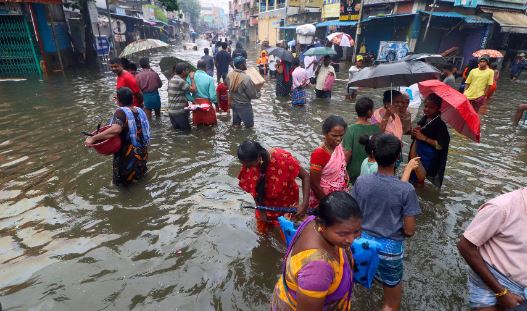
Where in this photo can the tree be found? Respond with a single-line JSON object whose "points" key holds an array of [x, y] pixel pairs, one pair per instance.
{"points": [[192, 8], [170, 5]]}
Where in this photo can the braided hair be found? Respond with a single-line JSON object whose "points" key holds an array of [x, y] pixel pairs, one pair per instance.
{"points": [[250, 151]]}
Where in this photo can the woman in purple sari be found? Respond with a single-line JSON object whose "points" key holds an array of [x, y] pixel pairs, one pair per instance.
{"points": [[318, 266]]}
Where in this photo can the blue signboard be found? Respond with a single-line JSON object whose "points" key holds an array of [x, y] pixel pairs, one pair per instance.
{"points": [[103, 46]]}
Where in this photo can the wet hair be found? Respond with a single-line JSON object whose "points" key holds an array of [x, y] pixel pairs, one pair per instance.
{"points": [[201, 65], [331, 122], [131, 67], [206, 51], [387, 149], [239, 45], [224, 45], [296, 62], [327, 57], [249, 151], [448, 67], [337, 207], [387, 98], [363, 106], [115, 61], [144, 62], [125, 96], [369, 143], [435, 99], [179, 68]]}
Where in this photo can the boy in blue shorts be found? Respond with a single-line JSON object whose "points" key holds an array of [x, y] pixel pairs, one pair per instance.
{"points": [[389, 207]]}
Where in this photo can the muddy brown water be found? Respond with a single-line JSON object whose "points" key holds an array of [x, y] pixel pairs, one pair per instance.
{"points": [[178, 240]]}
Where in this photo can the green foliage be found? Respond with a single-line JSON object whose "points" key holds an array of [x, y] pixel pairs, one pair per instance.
{"points": [[158, 13], [192, 8], [170, 5]]}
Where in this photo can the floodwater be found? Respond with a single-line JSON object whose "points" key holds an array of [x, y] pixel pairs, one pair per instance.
{"points": [[178, 240]]}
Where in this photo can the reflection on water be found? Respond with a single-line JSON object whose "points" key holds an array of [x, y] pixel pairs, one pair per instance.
{"points": [[70, 240]]}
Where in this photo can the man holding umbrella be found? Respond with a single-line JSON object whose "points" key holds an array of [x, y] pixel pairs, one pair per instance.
{"points": [[478, 83]]}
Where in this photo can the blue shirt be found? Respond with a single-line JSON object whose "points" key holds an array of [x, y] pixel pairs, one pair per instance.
{"points": [[384, 201], [223, 60], [204, 85]]}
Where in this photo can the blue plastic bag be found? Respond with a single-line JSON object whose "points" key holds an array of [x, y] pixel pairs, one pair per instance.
{"points": [[365, 254]]}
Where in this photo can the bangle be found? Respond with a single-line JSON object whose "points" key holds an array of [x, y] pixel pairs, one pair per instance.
{"points": [[504, 292]]}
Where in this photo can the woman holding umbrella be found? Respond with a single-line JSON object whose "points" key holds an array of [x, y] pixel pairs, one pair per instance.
{"points": [[431, 140]]}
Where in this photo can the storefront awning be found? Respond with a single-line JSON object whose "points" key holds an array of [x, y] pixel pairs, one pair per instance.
{"points": [[468, 19], [372, 18], [288, 27], [335, 23], [511, 22]]}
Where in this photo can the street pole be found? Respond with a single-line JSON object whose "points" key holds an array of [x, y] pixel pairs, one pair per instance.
{"points": [[357, 33], [429, 19]]}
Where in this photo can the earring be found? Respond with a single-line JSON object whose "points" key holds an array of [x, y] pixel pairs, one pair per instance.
{"points": [[261, 162]]}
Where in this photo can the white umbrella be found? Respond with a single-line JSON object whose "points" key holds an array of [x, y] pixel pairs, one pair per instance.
{"points": [[142, 45], [342, 39]]}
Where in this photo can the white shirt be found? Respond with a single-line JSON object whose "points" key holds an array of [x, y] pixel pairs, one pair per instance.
{"points": [[352, 71], [322, 74], [308, 60]]}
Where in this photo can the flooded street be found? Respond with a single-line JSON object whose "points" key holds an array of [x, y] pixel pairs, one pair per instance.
{"points": [[178, 240]]}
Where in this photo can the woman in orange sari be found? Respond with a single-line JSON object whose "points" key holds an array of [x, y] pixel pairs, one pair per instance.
{"points": [[269, 175], [328, 163]]}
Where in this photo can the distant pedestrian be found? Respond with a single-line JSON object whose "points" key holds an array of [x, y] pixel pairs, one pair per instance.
{"points": [[323, 72], [241, 91], [222, 60], [517, 66], [177, 100], [494, 86], [468, 68], [126, 79], [272, 65], [222, 94], [149, 83], [359, 65], [478, 83], [449, 78], [389, 207], [284, 80], [209, 61], [239, 51], [495, 250], [263, 63], [300, 83]]}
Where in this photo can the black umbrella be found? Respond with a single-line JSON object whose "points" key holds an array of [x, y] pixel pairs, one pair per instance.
{"points": [[394, 74], [427, 58], [281, 53]]}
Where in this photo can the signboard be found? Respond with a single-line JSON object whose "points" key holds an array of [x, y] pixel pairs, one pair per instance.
{"points": [[305, 3], [390, 51], [103, 46], [466, 3], [331, 8], [349, 10]]}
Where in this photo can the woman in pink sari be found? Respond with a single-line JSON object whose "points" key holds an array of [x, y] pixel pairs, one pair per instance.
{"points": [[386, 117], [328, 162]]}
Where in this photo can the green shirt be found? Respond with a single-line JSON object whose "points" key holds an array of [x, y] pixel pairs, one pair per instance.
{"points": [[351, 143]]}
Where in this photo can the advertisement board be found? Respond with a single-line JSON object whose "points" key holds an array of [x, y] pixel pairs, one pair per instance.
{"points": [[349, 10], [331, 9], [390, 51]]}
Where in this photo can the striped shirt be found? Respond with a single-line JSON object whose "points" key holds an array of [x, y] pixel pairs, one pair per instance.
{"points": [[177, 88]]}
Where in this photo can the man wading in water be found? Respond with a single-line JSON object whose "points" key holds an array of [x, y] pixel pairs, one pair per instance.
{"points": [[126, 79]]}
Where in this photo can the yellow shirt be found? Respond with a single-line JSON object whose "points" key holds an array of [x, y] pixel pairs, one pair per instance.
{"points": [[478, 80]]}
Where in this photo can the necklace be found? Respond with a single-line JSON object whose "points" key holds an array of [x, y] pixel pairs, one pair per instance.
{"points": [[328, 149]]}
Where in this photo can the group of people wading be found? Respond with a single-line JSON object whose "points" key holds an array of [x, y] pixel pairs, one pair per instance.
{"points": [[351, 186]]}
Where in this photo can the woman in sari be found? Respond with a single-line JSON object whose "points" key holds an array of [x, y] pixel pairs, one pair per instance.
{"points": [[269, 175], [284, 79], [318, 266], [387, 116], [431, 140], [131, 123], [328, 162]]}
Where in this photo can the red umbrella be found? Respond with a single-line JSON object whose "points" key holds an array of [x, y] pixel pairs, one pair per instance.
{"points": [[456, 109]]}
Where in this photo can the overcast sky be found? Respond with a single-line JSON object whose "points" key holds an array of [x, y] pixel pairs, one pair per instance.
{"points": [[222, 3]]}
